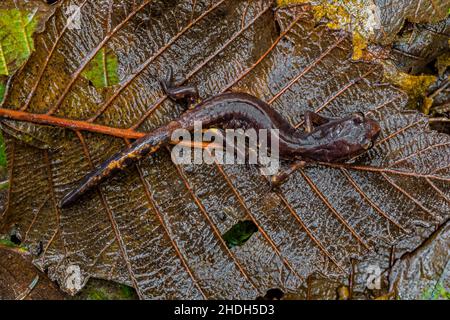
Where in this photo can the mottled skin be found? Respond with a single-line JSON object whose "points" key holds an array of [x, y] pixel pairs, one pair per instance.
{"points": [[332, 140]]}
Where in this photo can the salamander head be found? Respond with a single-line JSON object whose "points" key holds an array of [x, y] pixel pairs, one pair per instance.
{"points": [[369, 130], [343, 139]]}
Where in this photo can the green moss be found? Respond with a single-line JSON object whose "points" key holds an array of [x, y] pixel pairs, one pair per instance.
{"points": [[126, 292], [102, 70], [16, 41], [239, 233], [437, 292], [97, 289], [111, 292], [98, 295], [9, 244]]}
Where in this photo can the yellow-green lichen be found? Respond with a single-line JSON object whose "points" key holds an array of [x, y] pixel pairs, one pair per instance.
{"points": [[415, 86]]}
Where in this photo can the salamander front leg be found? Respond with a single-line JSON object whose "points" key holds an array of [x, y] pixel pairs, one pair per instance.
{"points": [[179, 93], [313, 120], [277, 180]]}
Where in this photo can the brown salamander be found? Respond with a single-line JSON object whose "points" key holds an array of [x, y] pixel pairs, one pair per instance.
{"points": [[324, 139]]}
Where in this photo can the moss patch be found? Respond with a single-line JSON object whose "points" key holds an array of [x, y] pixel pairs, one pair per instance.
{"points": [[240, 233], [97, 289]]}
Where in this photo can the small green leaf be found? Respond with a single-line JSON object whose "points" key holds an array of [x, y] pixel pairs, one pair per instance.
{"points": [[16, 41], [240, 233], [102, 70]]}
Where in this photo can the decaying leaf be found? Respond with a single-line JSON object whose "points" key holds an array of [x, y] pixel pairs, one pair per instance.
{"points": [[394, 13], [425, 273], [158, 226], [439, 96], [375, 20], [20, 280], [443, 63], [418, 55], [419, 45]]}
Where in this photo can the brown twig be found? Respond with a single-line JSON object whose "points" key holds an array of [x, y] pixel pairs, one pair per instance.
{"points": [[70, 124]]}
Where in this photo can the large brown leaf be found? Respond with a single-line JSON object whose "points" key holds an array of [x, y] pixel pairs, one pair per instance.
{"points": [[20, 280], [158, 226]]}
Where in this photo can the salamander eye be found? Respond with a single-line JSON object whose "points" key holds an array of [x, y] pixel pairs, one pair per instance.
{"points": [[359, 117], [367, 145]]}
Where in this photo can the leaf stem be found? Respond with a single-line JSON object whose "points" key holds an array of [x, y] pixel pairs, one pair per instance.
{"points": [[71, 124]]}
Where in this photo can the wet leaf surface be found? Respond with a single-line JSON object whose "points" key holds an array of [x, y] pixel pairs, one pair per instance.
{"points": [[425, 273], [20, 280], [158, 227]]}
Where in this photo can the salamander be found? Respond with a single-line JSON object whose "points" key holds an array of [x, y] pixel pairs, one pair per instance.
{"points": [[323, 139]]}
